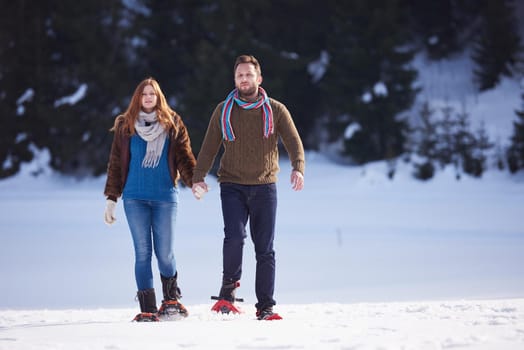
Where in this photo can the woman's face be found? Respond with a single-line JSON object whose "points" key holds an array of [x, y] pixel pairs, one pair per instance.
{"points": [[149, 99]]}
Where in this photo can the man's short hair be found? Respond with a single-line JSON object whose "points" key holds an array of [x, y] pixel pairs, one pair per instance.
{"points": [[248, 59]]}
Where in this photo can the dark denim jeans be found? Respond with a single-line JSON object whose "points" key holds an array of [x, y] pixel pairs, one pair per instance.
{"points": [[258, 203], [152, 227]]}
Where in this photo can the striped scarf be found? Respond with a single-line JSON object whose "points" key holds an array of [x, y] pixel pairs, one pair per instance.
{"points": [[267, 113]]}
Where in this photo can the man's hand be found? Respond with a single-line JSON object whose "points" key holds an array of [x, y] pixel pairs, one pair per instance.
{"points": [[199, 189], [297, 180]]}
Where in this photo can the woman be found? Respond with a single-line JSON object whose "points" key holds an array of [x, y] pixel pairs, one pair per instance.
{"points": [[151, 149]]}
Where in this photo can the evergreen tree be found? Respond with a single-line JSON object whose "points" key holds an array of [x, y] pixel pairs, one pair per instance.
{"points": [[500, 155], [97, 51], [20, 47], [515, 153], [368, 78], [458, 146], [293, 67], [476, 163], [195, 57], [91, 39], [446, 131], [227, 31], [424, 141], [56, 50], [443, 27], [462, 144], [498, 44], [448, 141], [177, 50]]}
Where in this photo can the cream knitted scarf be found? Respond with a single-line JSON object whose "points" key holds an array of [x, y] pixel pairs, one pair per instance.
{"points": [[149, 129]]}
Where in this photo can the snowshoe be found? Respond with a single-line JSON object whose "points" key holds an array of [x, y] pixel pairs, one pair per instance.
{"points": [[171, 310], [267, 314], [146, 317], [225, 307]]}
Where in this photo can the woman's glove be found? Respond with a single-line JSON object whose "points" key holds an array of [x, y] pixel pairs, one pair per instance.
{"points": [[109, 215]]}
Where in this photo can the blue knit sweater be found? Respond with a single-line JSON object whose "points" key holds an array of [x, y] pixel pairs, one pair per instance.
{"points": [[153, 184]]}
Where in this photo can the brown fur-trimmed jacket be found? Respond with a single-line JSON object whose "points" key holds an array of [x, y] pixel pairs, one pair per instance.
{"points": [[180, 157]]}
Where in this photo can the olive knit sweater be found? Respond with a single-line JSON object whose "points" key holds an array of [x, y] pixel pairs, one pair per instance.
{"points": [[250, 159]]}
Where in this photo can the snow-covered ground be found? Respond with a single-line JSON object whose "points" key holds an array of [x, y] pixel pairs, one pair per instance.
{"points": [[362, 263], [471, 324]]}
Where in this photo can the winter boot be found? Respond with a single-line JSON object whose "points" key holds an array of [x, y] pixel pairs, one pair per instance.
{"points": [[148, 310], [267, 314], [171, 308], [227, 291], [226, 298]]}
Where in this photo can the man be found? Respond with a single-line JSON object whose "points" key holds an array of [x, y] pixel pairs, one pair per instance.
{"points": [[248, 125]]}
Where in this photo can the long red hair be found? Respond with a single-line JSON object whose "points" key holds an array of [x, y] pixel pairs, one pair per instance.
{"points": [[164, 113]]}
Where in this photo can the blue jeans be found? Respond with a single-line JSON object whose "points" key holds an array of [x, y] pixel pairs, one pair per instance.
{"points": [[258, 203], [151, 224]]}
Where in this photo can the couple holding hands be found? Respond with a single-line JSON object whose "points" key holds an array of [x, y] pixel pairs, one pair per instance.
{"points": [[151, 151]]}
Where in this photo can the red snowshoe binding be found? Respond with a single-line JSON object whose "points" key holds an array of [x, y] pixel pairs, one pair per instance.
{"points": [[226, 298], [225, 307]]}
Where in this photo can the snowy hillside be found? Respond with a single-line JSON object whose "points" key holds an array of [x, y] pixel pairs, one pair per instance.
{"points": [[450, 82]]}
